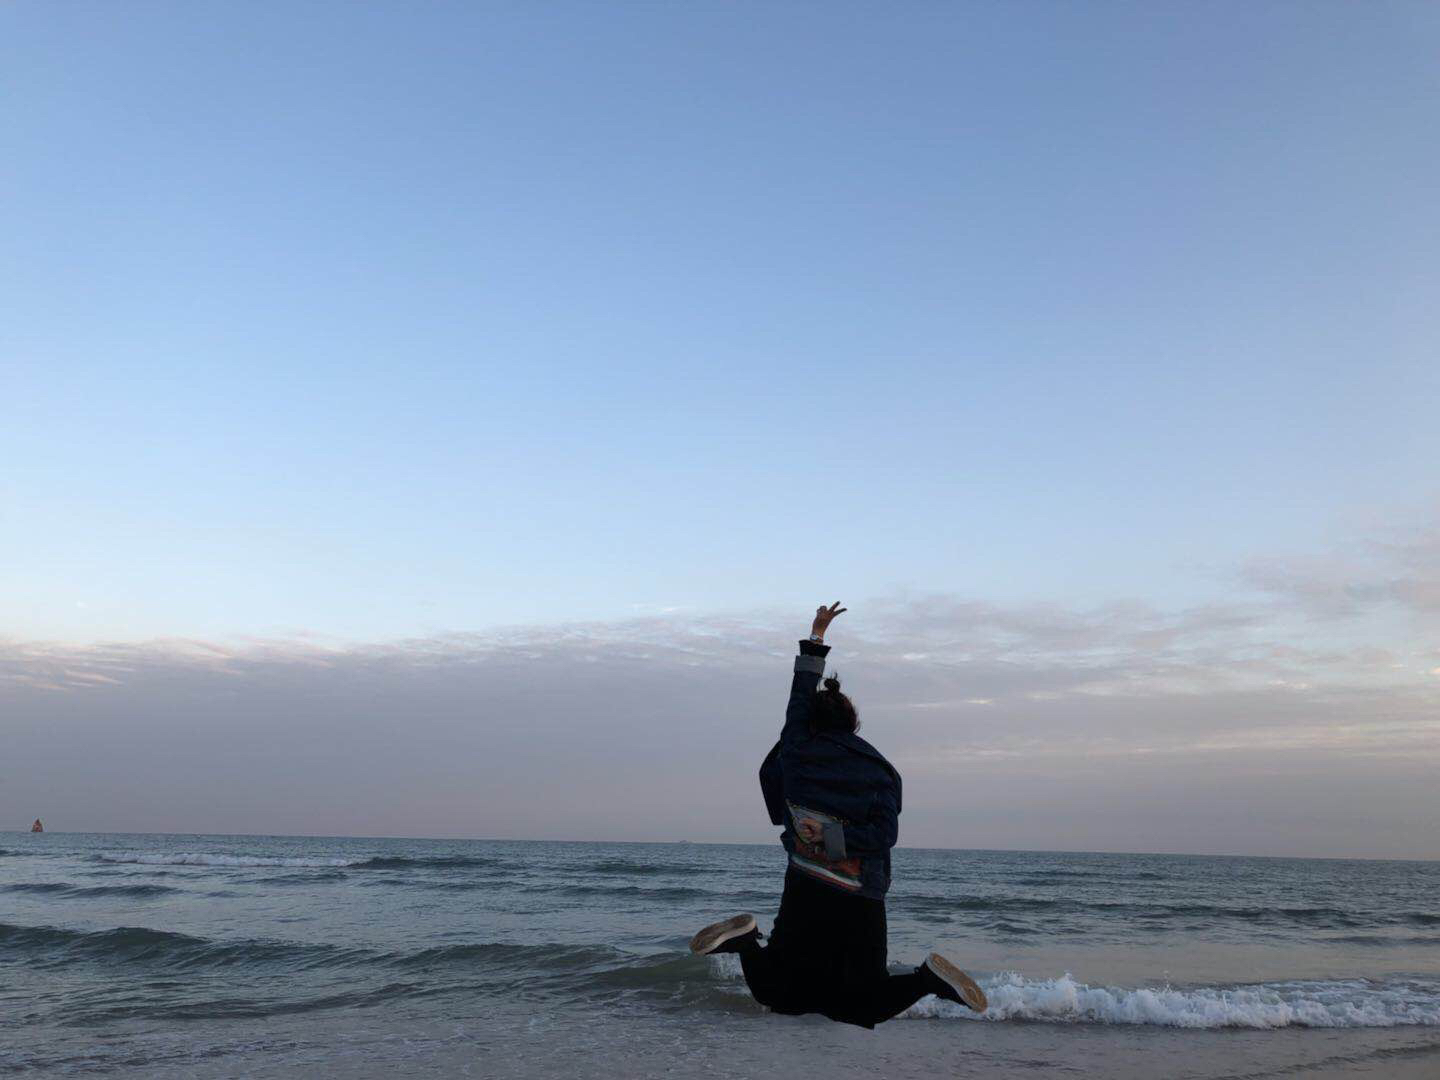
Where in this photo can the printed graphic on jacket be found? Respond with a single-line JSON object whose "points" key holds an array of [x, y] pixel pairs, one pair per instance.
{"points": [[811, 858]]}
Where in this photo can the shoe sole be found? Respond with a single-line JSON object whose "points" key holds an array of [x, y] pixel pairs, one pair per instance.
{"points": [[716, 934], [968, 989]]}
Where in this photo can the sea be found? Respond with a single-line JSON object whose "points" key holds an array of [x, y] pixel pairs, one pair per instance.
{"points": [[274, 956]]}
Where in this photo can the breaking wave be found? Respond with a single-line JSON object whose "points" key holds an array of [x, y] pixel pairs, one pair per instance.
{"points": [[599, 971], [1356, 1003]]}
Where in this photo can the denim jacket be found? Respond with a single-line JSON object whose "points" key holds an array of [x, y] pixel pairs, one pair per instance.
{"points": [[843, 777]]}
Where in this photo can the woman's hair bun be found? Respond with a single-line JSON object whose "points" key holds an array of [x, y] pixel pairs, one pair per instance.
{"points": [[833, 710]]}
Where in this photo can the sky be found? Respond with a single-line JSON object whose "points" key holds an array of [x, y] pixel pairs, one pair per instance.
{"points": [[440, 419]]}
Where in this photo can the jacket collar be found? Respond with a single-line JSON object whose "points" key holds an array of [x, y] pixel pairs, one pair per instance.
{"points": [[853, 742]]}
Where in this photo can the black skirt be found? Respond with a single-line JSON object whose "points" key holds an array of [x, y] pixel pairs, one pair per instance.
{"points": [[827, 954]]}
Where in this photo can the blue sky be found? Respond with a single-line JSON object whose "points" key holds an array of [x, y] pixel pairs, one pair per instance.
{"points": [[385, 319], [1087, 351]]}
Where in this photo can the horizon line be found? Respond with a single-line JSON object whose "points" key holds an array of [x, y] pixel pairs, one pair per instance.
{"points": [[734, 843]]}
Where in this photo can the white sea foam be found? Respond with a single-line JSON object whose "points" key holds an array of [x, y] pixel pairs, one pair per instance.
{"points": [[1315, 1004], [726, 967], [192, 858]]}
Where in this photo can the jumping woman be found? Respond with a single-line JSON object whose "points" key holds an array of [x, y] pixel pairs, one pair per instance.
{"points": [[839, 802]]}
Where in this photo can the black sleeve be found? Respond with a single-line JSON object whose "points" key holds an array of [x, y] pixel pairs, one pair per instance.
{"points": [[809, 666]]}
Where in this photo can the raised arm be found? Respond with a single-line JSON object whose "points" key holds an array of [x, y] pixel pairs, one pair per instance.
{"points": [[809, 666]]}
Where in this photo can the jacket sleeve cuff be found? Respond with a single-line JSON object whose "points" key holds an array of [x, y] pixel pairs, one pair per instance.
{"points": [[809, 648], [812, 665], [834, 840]]}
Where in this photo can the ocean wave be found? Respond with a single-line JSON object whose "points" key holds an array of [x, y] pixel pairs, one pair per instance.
{"points": [[170, 949], [584, 889], [365, 862], [1000, 926], [1048, 875], [642, 892], [309, 877], [1355, 1003], [1323, 918], [201, 858], [137, 1007], [913, 903], [1384, 939], [109, 873], [496, 956], [574, 973], [218, 973], [66, 889], [573, 970], [166, 948], [1308, 916], [459, 884], [438, 862], [631, 868], [1072, 879]]}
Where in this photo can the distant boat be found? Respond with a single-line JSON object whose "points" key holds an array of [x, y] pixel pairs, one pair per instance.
{"points": [[37, 827]]}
